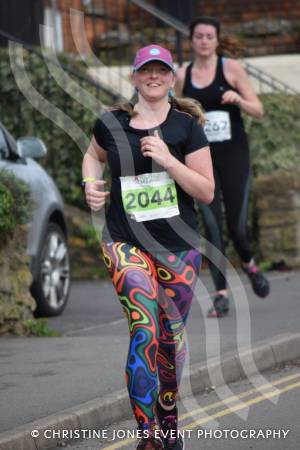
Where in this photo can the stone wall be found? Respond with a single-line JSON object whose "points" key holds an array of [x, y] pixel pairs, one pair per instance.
{"points": [[16, 303], [278, 206]]}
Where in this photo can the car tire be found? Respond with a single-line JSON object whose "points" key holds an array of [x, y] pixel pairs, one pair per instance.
{"points": [[52, 285]]}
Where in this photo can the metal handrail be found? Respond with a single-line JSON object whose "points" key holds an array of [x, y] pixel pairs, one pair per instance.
{"points": [[268, 79], [163, 16]]}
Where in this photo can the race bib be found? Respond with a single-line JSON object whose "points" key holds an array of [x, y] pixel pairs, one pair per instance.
{"points": [[149, 196], [217, 126]]}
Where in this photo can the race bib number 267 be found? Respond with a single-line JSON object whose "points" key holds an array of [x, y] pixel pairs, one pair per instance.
{"points": [[217, 126]]}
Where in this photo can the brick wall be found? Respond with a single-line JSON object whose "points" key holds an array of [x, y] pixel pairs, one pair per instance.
{"points": [[265, 27], [93, 25], [231, 11]]}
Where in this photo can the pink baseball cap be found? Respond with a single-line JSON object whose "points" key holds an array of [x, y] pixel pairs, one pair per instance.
{"points": [[153, 53]]}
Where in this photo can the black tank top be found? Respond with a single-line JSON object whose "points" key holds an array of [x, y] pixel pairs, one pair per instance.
{"points": [[210, 99]]}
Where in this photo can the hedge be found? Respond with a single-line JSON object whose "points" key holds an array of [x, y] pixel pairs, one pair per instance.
{"points": [[275, 140], [15, 204]]}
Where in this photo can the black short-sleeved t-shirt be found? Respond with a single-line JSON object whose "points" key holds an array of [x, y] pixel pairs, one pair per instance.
{"points": [[183, 135]]}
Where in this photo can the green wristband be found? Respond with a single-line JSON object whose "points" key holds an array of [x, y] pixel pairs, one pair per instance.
{"points": [[89, 180]]}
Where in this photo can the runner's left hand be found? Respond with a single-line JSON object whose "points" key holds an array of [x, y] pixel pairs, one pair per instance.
{"points": [[157, 149]]}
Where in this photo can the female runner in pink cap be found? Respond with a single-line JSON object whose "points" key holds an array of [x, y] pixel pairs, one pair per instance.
{"points": [[160, 161]]}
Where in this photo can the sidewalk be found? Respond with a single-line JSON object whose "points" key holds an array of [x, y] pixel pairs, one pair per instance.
{"points": [[42, 377]]}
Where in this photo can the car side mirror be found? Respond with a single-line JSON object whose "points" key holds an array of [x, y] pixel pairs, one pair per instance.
{"points": [[31, 147]]}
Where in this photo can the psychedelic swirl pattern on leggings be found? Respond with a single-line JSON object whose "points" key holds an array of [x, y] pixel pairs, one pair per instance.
{"points": [[156, 296]]}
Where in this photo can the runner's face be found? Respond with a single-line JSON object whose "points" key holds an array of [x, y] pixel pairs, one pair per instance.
{"points": [[153, 80], [205, 40]]}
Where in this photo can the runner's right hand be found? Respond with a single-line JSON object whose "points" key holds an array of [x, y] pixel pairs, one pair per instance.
{"points": [[95, 195]]}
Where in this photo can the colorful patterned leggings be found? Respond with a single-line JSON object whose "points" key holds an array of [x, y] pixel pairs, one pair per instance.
{"points": [[156, 296]]}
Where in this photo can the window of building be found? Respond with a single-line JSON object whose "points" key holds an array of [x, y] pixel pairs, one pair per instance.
{"points": [[53, 33]]}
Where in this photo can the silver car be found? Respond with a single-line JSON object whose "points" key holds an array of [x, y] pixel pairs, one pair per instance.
{"points": [[47, 232]]}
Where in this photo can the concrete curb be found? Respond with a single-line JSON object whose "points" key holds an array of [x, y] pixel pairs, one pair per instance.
{"points": [[99, 413]]}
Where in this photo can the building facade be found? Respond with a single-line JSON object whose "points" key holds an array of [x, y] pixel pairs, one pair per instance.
{"points": [[265, 26]]}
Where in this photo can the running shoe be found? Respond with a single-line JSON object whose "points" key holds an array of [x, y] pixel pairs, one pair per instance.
{"points": [[168, 424], [151, 442], [260, 285], [220, 307]]}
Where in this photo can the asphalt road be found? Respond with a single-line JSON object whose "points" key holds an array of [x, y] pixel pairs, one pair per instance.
{"points": [[91, 305], [213, 421], [94, 305]]}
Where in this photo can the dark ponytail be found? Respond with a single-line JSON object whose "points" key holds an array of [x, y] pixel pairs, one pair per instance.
{"points": [[230, 46]]}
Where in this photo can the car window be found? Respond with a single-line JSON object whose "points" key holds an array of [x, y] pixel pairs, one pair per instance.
{"points": [[4, 149]]}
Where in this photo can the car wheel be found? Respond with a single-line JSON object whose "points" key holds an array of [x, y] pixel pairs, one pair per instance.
{"points": [[52, 286]]}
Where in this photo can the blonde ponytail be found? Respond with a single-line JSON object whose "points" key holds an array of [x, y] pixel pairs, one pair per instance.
{"points": [[188, 105], [127, 107]]}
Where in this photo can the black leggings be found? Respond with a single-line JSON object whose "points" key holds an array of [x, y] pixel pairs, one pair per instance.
{"points": [[232, 178]]}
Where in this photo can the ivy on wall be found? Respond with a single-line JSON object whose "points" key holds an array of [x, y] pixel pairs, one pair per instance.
{"points": [[14, 204], [275, 140]]}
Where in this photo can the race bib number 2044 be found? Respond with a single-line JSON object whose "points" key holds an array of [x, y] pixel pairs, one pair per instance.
{"points": [[149, 196]]}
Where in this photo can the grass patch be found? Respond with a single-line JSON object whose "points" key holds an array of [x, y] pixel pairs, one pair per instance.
{"points": [[40, 328]]}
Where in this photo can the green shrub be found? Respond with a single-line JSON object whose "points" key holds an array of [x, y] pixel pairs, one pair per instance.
{"points": [[15, 204], [91, 236], [7, 218], [275, 140], [21, 194], [39, 327]]}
